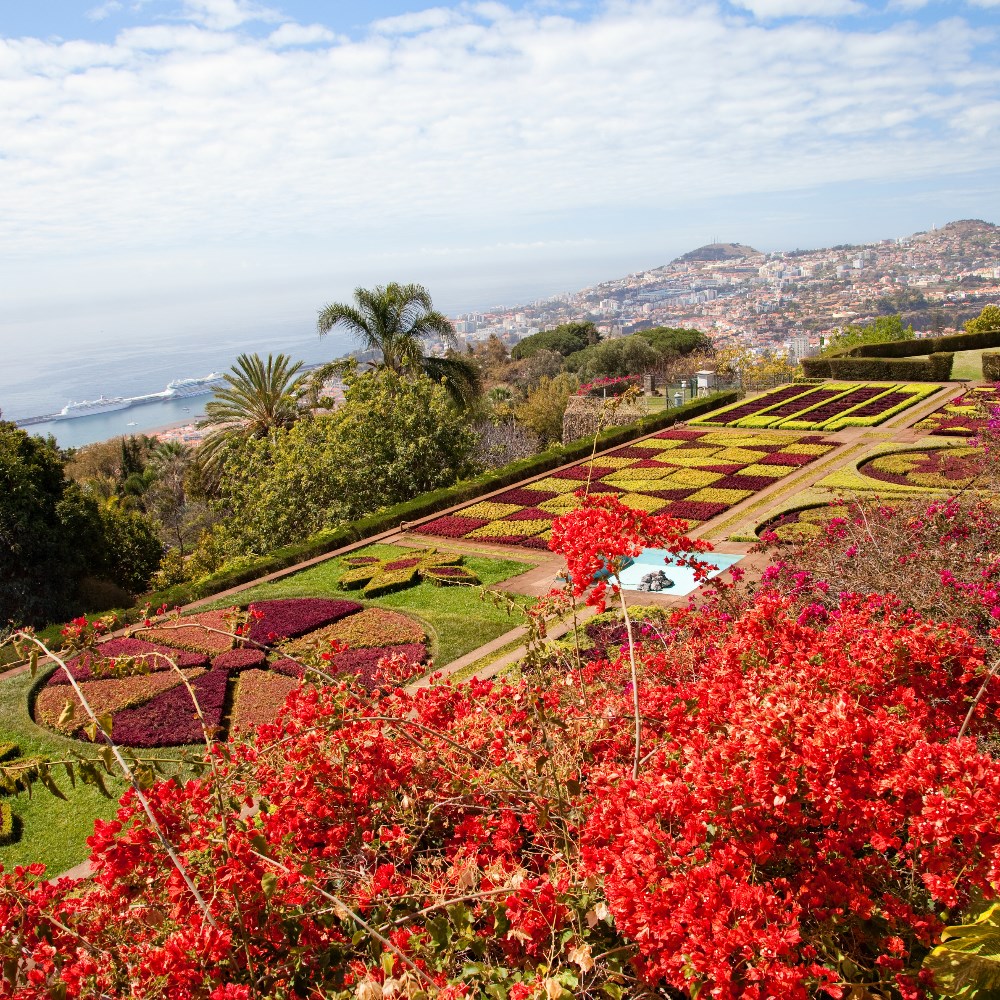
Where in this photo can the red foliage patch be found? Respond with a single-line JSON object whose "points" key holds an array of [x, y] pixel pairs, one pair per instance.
{"points": [[290, 617]]}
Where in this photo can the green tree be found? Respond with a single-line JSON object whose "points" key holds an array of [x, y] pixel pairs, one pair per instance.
{"points": [[882, 330], [613, 358], [988, 319], [566, 339], [258, 398], [395, 436], [542, 412], [395, 321]]}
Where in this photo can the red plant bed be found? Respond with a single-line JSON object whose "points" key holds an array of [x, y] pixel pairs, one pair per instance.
{"points": [[693, 510], [452, 527], [153, 656], [576, 472], [362, 663], [290, 617], [169, 719], [238, 660], [680, 434], [835, 409], [402, 564], [766, 401], [754, 483], [786, 458]]}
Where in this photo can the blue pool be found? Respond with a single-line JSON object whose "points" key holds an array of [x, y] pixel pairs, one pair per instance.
{"points": [[651, 560]]}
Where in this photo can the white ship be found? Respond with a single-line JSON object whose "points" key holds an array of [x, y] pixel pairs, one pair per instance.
{"points": [[88, 406], [194, 386]]}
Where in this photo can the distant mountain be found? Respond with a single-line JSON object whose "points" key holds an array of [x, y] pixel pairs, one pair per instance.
{"points": [[718, 251]]}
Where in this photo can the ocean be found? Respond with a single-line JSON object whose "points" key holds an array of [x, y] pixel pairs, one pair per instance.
{"points": [[32, 385]]}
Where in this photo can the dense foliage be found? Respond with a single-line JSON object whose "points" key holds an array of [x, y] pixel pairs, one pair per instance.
{"points": [[394, 436], [57, 536], [783, 793]]}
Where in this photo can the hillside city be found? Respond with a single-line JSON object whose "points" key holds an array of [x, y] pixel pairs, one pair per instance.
{"points": [[783, 301]]}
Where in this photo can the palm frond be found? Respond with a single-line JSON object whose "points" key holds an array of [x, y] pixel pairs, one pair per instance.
{"points": [[460, 377]]}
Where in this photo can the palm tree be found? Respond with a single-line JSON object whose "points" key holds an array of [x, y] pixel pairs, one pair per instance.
{"points": [[393, 320], [259, 397]]}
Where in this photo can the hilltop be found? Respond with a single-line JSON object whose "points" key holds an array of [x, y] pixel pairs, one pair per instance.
{"points": [[716, 252]]}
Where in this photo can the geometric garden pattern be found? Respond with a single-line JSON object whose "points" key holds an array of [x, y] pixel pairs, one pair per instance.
{"points": [[690, 474]]}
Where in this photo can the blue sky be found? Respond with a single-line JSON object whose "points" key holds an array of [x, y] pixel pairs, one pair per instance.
{"points": [[193, 164]]}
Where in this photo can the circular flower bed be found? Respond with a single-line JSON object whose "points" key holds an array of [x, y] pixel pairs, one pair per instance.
{"points": [[799, 525], [939, 468], [238, 687]]}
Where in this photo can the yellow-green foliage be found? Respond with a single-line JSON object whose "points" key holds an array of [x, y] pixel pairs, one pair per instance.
{"points": [[967, 962]]}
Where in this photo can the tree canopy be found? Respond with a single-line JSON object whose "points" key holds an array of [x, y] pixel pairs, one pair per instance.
{"points": [[395, 321], [565, 339]]}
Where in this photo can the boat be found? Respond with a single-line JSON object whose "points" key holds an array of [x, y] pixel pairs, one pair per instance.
{"points": [[182, 387], [102, 404]]}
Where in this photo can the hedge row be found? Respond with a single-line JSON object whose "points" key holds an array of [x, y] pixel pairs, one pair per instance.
{"points": [[933, 368], [430, 503], [991, 366], [930, 345]]}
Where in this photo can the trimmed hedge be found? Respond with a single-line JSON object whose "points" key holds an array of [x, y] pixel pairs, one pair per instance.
{"points": [[9, 827], [933, 368], [991, 366], [918, 348], [430, 503]]}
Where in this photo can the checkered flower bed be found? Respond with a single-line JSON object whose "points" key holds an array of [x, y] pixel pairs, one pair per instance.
{"points": [[827, 407], [965, 415], [131, 680], [692, 474]]}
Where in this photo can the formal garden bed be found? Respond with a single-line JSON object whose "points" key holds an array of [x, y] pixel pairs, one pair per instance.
{"points": [[801, 524], [690, 474], [146, 688], [965, 415], [935, 468], [829, 406]]}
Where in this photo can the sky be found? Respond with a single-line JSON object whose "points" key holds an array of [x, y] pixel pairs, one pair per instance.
{"points": [[176, 168]]}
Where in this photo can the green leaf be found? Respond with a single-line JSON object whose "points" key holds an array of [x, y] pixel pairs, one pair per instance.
{"points": [[33, 664], [70, 771], [46, 779], [268, 884], [67, 713]]}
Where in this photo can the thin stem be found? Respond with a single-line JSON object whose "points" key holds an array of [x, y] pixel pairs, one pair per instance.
{"points": [[990, 674], [132, 780], [635, 682]]}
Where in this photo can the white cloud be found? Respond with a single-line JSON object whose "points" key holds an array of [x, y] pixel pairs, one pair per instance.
{"points": [[225, 14], [106, 9], [770, 9], [476, 125]]}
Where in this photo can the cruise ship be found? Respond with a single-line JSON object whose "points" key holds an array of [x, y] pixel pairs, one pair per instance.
{"points": [[102, 404], [193, 386]]}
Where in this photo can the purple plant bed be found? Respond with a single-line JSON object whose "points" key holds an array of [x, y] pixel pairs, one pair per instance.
{"points": [[797, 405], [787, 459], [629, 451], [526, 498], [678, 494], [524, 541], [460, 571], [82, 670], [883, 404], [287, 667], [694, 510], [956, 426], [754, 483], [451, 526], [169, 719], [362, 663], [762, 403], [680, 435], [290, 617], [580, 472], [727, 469], [235, 661], [402, 564], [527, 514], [832, 410]]}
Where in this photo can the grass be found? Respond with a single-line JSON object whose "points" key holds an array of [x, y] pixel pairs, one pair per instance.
{"points": [[968, 365], [53, 832], [458, 619]]}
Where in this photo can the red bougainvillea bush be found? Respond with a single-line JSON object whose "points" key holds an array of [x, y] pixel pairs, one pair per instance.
{"points": [[133, 681], [689, 474], [806, 812]]}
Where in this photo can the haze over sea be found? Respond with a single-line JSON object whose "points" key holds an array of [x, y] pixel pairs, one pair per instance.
{"points": [[32, 386]]}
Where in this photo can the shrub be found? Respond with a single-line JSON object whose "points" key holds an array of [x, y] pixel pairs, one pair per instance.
{"points": [[9, 825], [991, 366]]}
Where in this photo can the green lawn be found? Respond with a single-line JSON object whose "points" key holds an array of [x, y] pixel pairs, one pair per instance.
{"points": [[968, 364], [458, 620], [53, 832]]}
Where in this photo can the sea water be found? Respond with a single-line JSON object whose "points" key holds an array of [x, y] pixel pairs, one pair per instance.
{"points": [[32, 383]]}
